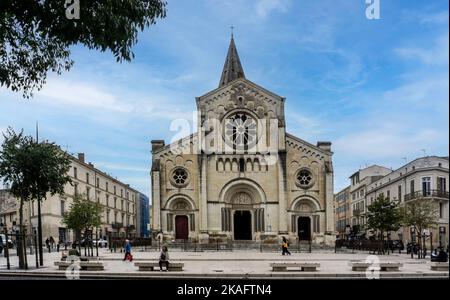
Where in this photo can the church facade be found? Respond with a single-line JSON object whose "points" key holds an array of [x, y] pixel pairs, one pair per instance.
{"points": [[241, 176]]}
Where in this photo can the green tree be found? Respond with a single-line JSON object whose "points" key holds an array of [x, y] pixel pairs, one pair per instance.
{"points": [[83, 215], [36, 36], [420, 214], [33, 170], [383, 216]]}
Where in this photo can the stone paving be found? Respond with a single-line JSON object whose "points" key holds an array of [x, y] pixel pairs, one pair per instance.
{"points": [[236, 264]]}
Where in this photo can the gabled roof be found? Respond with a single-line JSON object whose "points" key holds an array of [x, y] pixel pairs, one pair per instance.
{"points": [[190, 137], [299, 140], [246, 81]]}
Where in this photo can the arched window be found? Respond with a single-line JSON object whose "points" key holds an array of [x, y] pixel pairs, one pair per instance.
{"points": [[241, 165]]}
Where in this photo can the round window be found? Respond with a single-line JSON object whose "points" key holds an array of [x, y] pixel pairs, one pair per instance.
{"points": [[304, 178], [179, 177], [240, 131]]}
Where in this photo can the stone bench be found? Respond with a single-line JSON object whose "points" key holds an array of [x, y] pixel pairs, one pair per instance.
{"points": [[384, 266], [150, 266], [439, 266], [304, 266], [85, 265]]}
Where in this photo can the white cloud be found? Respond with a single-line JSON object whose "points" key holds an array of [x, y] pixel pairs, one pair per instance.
{"points": [[386, 142], [76, 93], [436, 54], [265, 7], [115, 105], [436, 18], [426, 18], [307, 127], [421, 92]]}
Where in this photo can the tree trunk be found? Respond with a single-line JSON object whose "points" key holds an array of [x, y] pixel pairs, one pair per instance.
{"points": [[419, 236]]}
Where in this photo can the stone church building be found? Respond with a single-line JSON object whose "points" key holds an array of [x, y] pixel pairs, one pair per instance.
{"points": [[241, 176]]}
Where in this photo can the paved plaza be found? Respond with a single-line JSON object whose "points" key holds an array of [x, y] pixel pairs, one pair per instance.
{"points": [[243, 264]]}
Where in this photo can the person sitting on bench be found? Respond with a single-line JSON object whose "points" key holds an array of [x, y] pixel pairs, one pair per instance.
{"points": [[164, 258], [74, 252]]}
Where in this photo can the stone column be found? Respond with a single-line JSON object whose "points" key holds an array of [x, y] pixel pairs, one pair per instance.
{"points": [[330, 235], [282, 199], [203, 207], [156, 186]]}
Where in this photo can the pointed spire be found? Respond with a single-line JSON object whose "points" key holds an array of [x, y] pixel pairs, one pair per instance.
{"points": [[232, 68]]}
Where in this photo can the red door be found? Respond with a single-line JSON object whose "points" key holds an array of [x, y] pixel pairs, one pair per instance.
{"points": [[181, 228]]}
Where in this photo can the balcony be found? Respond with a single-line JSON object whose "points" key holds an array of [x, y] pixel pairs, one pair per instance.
{"points": [[117, 225], [427, 194], [356, 212]]}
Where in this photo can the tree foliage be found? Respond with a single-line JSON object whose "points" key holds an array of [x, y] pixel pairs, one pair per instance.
{"points": [[35, 36], [83, 214], [420, 214], [384, 215], [33, 170]]}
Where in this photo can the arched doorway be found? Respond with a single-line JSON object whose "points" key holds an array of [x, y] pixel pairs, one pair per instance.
{"points": [[304, 228], [242, 225], [181, 228]]}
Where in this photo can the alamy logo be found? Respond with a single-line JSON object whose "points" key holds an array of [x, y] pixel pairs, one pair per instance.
{"points": [[373, 271], [73, 270], [72, 9], [237, 133], [373, 9]]}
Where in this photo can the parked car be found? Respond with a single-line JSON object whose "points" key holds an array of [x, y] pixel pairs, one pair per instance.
{"points": [[440, 256], [394, 245], [82, 243], [101, 243], [3, 241]]}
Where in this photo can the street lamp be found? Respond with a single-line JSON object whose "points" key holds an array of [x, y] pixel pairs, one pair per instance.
{"points": [[41, 254]]}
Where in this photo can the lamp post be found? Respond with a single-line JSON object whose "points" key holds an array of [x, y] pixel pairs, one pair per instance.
{"points": [[36, 250], [41, 254], [431, 242]]}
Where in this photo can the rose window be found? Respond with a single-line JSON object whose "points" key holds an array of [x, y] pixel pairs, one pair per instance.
{"points": [[304, 178], [240, 130], [179, 177]]}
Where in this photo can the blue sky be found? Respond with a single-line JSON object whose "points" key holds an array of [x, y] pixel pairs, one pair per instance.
{"points": [[377, 89]]}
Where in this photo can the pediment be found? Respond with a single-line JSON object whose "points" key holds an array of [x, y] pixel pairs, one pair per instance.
{"points": [[241, 94]]}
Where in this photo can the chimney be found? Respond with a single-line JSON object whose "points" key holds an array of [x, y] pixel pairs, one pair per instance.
{"points": [[81, 157], [157, 144], [324, 146]]}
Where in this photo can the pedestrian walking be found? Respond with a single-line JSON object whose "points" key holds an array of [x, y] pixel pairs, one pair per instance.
{"points": [[164, 258], [47, 244], [284, 247], [127, 249], [52, 242]]}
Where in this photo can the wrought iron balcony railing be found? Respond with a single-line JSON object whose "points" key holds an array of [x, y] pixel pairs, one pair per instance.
{"points": [[117, 225], [426, 194]]}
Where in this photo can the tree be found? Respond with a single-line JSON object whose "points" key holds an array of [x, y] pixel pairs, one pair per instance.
{"points": [[33, 171], [383, 216], [420, 214], [36, 36], [83, 215]]}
